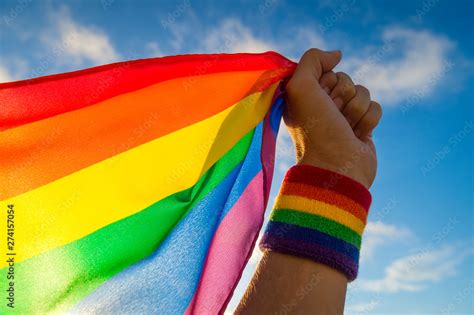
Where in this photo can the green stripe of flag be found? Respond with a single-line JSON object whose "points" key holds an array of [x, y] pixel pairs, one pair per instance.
{"points": [[85, 264]]}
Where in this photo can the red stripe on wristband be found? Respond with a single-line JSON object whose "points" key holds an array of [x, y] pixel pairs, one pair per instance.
{"points": [[315, 176]]}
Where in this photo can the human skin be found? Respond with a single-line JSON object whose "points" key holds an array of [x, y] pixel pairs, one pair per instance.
{"points": [[330, 120]]}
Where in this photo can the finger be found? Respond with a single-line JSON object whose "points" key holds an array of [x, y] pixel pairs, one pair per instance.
{"points": [[357, 106], [344, 90], [369, 121], [315, 62], [328, 81]]}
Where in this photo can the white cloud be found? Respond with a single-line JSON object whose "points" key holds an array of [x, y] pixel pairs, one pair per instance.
{"points": [[5, 75], [308, 37], [152, 49], [379, 233], [405, 69], [410, 63], [299, 39], [415, 272], [232, 36], [364, 307], [76, 43], [387, 230], [180, 33]]}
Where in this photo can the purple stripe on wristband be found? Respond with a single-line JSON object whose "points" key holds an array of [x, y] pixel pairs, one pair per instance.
{"points": [[311, 236], [315, 252]]}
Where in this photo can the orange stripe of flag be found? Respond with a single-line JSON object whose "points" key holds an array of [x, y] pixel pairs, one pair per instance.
{"points": [[35, 154]]}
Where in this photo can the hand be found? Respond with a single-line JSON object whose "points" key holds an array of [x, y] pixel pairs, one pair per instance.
{"points": [[330, 119]]}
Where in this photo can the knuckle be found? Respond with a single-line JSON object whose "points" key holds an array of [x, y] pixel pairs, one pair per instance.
{"points": [[345, 86], [349, 109], [329, 78], [377, 108], [311, 53], [370, 123], [342, 75], [362, 90], [359, 109], [375, 114], [377, 105], [349, 90], [372, 120]]}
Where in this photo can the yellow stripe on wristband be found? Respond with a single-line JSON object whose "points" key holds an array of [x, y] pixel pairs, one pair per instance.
{"points": [[320, 208]]}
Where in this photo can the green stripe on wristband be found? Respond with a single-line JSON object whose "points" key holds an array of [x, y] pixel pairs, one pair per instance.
{"points": [[317, 222]]}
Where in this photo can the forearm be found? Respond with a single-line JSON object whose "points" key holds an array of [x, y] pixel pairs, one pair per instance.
{"points": [[311, 245], [286, 284]]}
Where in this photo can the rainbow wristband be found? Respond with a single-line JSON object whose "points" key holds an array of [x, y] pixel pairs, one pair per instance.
{"points": [[319, 215]]}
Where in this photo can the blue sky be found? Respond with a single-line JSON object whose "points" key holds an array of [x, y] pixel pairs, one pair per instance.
{"points": [[415, 56]]}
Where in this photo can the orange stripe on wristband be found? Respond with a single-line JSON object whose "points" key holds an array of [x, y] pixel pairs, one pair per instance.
{"points": [[320, 208]]}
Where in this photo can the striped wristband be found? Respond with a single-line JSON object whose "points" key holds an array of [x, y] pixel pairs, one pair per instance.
{"points": [[319, 215]]}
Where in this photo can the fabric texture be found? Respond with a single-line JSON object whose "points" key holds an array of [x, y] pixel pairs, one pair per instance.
{"points": [[140, 186], [319, 215]]}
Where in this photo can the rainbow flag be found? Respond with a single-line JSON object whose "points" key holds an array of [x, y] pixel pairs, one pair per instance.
{"points": [[136, 187]]}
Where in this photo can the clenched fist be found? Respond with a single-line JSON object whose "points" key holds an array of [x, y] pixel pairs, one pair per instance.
{"points": [[331, 119]]}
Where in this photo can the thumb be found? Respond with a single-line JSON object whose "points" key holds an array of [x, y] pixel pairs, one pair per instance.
{"points": [[315, 62]]}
